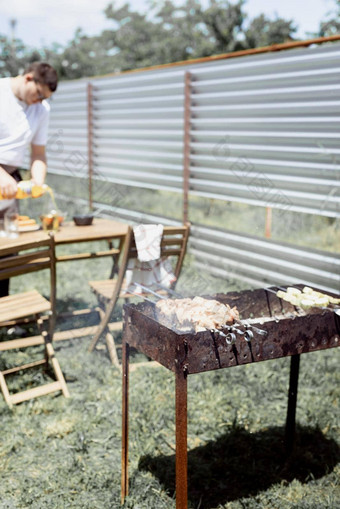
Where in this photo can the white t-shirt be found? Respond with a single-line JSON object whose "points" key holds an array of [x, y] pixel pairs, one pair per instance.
{"points": [[20, 125]]}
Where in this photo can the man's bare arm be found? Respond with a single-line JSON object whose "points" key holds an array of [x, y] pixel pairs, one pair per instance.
{"points": [[38, 164]]}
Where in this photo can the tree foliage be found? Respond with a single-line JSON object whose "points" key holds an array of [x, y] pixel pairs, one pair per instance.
{"points": [[186, 31], [168, 33], [264, 32], [14, 56], [331, 26]]}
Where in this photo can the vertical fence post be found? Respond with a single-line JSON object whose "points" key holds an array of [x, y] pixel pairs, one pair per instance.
{"points": [[186, 145], [268, 225], [90, 139]]}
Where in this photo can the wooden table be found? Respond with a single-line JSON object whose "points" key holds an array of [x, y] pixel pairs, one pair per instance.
{"points": [[101, 229]]}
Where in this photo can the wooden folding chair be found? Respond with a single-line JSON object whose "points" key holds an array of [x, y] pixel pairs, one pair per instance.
{"points": [[173, 245], [30, 306]]}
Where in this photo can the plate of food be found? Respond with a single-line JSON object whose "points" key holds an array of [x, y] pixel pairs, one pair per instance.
{"points": [[26, 224]]}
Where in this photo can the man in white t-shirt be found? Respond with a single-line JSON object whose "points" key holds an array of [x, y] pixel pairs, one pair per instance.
{"points": [[24, 115]]}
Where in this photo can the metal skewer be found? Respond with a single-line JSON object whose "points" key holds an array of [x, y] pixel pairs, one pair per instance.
{"points": [[230, 338], [219, 332], [143, 297], [270, 290], [248, 326], [146, 289], [169, 290]]}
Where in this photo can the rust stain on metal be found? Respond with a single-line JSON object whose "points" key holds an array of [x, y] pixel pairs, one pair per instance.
{"points": [[90, 140], [186, 145]]}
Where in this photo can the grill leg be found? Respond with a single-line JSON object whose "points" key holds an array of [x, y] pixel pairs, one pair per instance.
{"points": [[292, 398], [125, 421], [181, 441]]}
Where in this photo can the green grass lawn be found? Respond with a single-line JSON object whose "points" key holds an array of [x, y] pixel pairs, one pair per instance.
{"points": [[58, 453]]}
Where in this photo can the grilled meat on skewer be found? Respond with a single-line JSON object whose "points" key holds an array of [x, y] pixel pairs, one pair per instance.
{"points": [[197, 313]]}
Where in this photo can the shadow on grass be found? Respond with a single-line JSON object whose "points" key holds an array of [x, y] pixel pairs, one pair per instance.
{"points": [[241, 464], [71, 304], [63, 323]]}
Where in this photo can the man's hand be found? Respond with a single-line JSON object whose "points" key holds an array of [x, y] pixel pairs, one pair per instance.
{"points": [[8, 185]]}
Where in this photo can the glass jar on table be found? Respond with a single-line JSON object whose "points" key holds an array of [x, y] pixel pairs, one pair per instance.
{"points": [[11, 225]]}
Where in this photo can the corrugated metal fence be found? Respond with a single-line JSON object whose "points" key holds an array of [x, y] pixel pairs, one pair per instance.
{"points": [[264, 130]]}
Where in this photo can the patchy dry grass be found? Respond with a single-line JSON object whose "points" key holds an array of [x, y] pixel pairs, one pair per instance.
{"points": [[66, 453], [58, 453]]}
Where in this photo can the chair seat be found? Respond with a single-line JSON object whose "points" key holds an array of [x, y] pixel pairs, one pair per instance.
{"points": [[31, 256], [21, 305], [104, 289]]}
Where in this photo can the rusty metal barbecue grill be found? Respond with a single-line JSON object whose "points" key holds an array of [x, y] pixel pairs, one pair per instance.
{"points": [[269, 328]]}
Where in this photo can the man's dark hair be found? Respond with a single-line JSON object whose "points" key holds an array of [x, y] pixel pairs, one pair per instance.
{"points": [[43, 73]]}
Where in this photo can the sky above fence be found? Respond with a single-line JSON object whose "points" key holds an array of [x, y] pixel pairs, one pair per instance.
{"points": [[42, 23]]}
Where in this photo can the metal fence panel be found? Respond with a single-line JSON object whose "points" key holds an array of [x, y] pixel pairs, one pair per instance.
{"points": [[257, 261], [264, 131], [67, 147], [138, 129]]}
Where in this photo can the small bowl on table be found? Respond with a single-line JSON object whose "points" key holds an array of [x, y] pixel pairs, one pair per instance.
{"points": [[83, 219]]}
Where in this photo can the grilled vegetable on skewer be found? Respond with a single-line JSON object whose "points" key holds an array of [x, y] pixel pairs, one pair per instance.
{"points": [[306, 298]]}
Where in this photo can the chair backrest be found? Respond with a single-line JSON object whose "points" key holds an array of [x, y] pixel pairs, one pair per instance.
{"points": [[173, 244], [31, 257]]}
